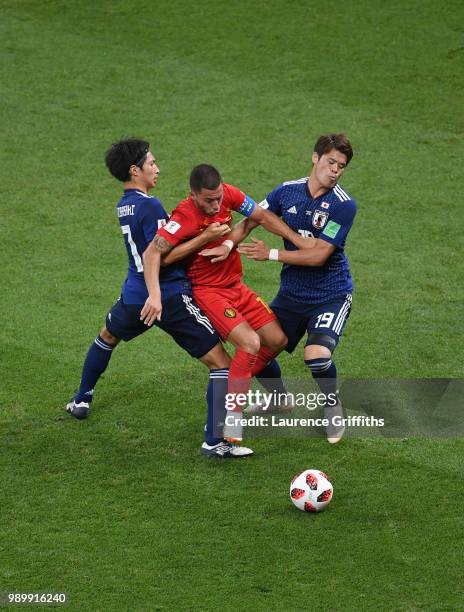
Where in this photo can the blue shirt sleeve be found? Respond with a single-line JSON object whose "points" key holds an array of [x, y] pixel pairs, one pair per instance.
{"points": [[273, 201], [339, 224], [152, 217]]}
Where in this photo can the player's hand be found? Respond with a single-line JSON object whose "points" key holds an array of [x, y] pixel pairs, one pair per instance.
{"points": [[219, 253], [215, 230], [151, 310], [256, 250]]}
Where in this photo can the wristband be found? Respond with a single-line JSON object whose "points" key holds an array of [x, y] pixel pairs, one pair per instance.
{"points": [[229, 244], [273, 254]]}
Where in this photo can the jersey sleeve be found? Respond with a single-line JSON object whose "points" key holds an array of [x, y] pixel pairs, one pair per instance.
{"points": [[151, 217], [272, 201], [339, 224], [240, 201], [178, 229]]}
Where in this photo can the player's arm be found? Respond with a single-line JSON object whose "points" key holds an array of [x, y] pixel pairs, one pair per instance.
{"points": [[273, 224], [332, 237], [238, 233], [255, 215], [152, 308], [211, 233], [242, 230], [317, 255]]}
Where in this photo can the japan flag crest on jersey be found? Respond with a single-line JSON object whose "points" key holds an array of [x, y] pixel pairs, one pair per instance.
{"points": [[320, 218]]}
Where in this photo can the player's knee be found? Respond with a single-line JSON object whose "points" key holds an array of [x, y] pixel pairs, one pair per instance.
{"points": [[319, 345], [244, 338], [318, 357], [250, 343], [315, 351], [108, 338]]}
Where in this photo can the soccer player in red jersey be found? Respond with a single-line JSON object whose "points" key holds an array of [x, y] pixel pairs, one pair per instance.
{"points": [[239, 315]]}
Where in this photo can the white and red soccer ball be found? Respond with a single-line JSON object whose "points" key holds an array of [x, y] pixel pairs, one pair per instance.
{"points": [[311, 491]]}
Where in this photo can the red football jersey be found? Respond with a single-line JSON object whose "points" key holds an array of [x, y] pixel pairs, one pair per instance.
{"points": [[187, 221]]}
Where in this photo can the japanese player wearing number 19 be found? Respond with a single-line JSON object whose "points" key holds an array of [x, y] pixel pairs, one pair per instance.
{"points": [[315, 290]]}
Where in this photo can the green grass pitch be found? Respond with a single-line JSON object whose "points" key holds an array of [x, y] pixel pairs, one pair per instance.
{"points": [[121, 511]]}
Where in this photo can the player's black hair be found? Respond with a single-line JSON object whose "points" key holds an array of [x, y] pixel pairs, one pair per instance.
{"points": [[204, 176], [124, 154], [340, 142]]}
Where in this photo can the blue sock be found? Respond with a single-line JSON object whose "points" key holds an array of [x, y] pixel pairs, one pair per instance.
{"points": [[96, 361], [216, 398], [271, 377], [324, 373]]}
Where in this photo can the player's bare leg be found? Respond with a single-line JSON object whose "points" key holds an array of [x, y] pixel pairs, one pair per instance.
{"points": [[319, 360], [217, 358], [109, 338], [244, 338], [316, 351], [272, 336]]}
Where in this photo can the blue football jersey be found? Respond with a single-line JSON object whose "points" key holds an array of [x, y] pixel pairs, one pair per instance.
{"points": [[140, 216], [328, 217]]}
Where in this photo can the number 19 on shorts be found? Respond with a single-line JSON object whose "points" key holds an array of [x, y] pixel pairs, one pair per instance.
{"points": [[324, 320]]}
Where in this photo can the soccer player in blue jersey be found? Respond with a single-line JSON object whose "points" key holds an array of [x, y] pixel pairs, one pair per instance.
{"points": [[315, 291], [140, 216]]}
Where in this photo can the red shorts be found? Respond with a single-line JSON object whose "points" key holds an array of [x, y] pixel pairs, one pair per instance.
{"points": [[227, 307]]}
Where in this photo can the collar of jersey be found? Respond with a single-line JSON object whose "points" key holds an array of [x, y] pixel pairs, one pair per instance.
{"points": [[133, 190], [308, 193]]}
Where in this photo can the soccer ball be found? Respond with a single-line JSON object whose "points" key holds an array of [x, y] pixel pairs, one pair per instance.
{"points": [[311, 490]]}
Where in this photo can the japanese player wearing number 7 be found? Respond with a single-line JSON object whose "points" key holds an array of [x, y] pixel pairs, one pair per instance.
{"points": [[173, 309]]}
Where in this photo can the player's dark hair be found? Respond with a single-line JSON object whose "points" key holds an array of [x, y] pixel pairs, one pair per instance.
{"points": [[124, 154], [340, 142], [204, 176]]}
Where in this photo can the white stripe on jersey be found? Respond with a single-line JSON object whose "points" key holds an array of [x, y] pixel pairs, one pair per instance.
{"points": [[337, 326], [341, 195], [195, 311], [301, 180]]}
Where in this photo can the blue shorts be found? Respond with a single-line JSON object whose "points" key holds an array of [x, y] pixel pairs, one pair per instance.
{"points": [[181, 319], [298, 319]]}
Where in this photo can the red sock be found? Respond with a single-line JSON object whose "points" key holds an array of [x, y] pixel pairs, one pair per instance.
{"points": [[262, 359], [240, 373]]}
